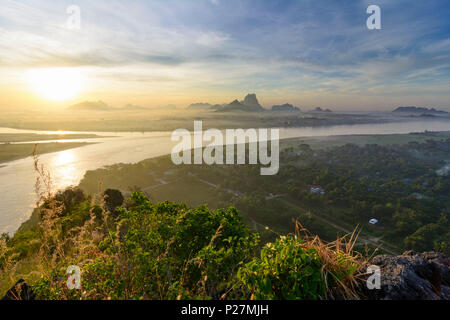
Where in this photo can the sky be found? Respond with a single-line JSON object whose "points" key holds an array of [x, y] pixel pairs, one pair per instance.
{"points": [[157, 52]]}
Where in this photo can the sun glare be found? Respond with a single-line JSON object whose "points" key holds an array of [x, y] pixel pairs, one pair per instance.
{"points": [[55, 84]]}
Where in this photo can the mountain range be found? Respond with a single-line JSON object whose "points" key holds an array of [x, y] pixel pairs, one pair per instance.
{"points": [[249, 104], [319, 109], [91, 105], [285, 107], [103, 106], [424, 110]]}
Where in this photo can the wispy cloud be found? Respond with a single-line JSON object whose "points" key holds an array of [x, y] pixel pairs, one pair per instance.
{"points": [[295, 47]]}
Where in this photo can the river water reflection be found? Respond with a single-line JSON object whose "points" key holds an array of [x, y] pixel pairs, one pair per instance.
{"points": [[68, 167]]}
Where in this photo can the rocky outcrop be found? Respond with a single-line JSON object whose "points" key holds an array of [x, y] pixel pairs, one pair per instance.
{"points": [[251, 101], [239, 106], [410, 276], [20, 291]]}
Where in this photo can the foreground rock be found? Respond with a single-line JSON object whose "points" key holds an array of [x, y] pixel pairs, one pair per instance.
{"points": [[411, 276], [20, 291]]}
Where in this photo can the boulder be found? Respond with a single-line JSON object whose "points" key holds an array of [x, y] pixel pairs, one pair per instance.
{"points": [[250, 100], [410, 276]]}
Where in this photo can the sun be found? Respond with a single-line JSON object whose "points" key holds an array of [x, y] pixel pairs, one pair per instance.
{"points": [[56, 84]]}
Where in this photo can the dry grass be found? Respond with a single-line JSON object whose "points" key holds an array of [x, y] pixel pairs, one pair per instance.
{"points": [[49, 210], [80, 244], [338, 258], [57, 251]]}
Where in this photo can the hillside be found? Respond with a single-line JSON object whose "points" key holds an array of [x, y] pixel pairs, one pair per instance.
{"points": [[250, 241], [135, 249], [400, 180], [11, 152]]}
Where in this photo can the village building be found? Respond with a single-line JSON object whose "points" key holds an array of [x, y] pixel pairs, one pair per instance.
{"points": [[317, 190]]}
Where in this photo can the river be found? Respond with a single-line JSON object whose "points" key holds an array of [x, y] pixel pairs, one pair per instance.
{"points": [[69, 166]]}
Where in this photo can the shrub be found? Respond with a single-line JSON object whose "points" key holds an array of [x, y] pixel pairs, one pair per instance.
{"points": [[170, 251], [162, 251], [285, 270], [113, 199], [296, 267]]}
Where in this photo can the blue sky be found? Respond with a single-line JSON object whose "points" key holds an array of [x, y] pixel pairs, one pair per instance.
{"points": [[310, 53]]}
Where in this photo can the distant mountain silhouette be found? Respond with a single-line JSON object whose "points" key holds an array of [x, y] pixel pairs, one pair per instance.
{"points": [[319, 109], [91, 105], [249, 104], [235, 106], [422, 110], [285, 107]]}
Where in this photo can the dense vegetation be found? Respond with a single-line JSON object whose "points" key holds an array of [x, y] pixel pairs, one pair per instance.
{"points": [[404, 186], [401, 186], [144, 247], [142, 250]]}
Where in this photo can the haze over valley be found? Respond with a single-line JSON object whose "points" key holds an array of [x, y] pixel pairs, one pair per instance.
{"points": [[224, 150]]}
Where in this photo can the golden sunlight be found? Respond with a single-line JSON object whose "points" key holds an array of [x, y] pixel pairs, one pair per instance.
{"points": [[64, 157], [55, 84]]}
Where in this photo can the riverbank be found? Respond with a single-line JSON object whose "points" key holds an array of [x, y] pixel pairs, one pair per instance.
{"points": [[69, 167], [376, 177], [11, 152], [32, 137]]}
